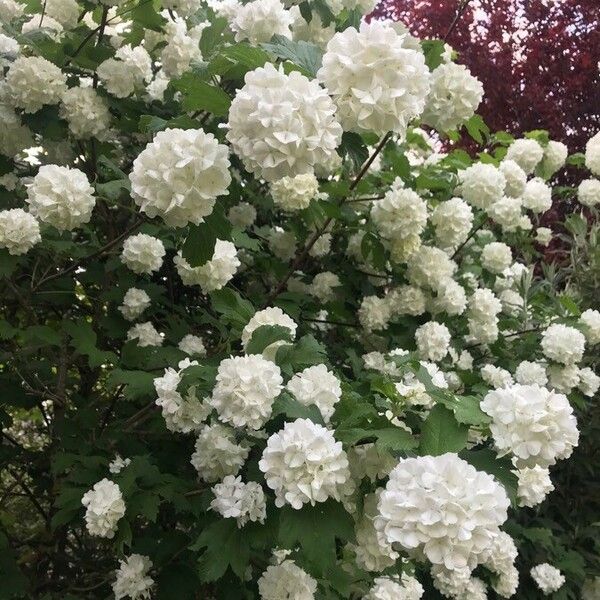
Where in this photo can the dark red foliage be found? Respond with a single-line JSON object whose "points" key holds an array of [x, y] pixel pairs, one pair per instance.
{"points": [[537, 59]]}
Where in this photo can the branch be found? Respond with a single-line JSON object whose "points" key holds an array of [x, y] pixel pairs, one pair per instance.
{"points": [[85, 259], [301, 256], [457, 16], [510, 335], [32, 497], [338, 323]]}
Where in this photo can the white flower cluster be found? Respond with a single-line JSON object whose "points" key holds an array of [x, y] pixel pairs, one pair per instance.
{"points": [[143, 253], [536, 425], [245, 390], [86, 112], [563, 344], [286, 580], [179, 175], [482, 185], [377, 83], [526, 153], [61, 197], [482, 316], [182, 413], [282, 125], [319, 386], [126, 72], [259, 20], [294, 193], [213, 274], [592, 154], [19, 231], [452, 221], [269, 316], [404, 587], [304, 464], [238, 500], [548, 578], [135, 302], [442, 508], [132, 579], [104, 507], [192, 345], [534, 485], [433, 341], [145, 334]]}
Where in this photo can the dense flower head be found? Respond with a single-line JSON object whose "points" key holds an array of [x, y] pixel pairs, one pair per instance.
{"points": [[143, 253], [406, 300], [286, 581], [537, 195], [377, 83], [590, 320], [458, 584], [295, 193], [534, 485], [282, 125], [528, 372], [452, 221], [217, 453], [145, 335], [192, 345], [500, 559], [319, 386], [61, 196], [592, 154], [32, 82], [127, 72], [481, 185], [430, 267], [506, 212], [563, 378], [238, 500], [182, 48], [374, 313], [563, 344], [526, 153], [404, 587], [86, 112], [213, 274], [555, 156], [269, 316], [132, 579], [433, 340], [548, 578], [496, 257], [401, 212], [242, 215], [443, 508], [14, 136], [104, 507], [259, 20], [454, 97], [135, 302], [245, 390], [19, 231], [179, 175], [303, 464], [324, 286], [588, 192], [533, 423], [514, 176]]}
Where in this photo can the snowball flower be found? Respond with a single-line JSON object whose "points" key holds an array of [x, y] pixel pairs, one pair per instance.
{"points": [[454, 97], [526, 153], [217, 454], [242, 215], [429, 267], [405, 587], [319, 386], [14, 136], [406, 300], [286, 580], [282, 125], [500, 559], [507, 213], [589, 382], [86, 112], [323, 286], [304, 464], [563, 378], [132, 579], [535, 424], [181, 49], [534, 485], [9, 50], [441, 507], [588, 192], [260, 20], [213, 274], [377, 83], [238, 500], [452, 221], [295, 193], [179, 175], [145, 334], [142, 253], [245, 390], [192, 345], [481, 185], [543, 235], [514, 176], [592, 154], [528, 373], [33, 81], [496, 257], [66, 12], [268, 316], [401, 212], [104, 507], [548, 578], [496, 376], [458, 583], [590, 319], [118, 464], [19, 231], [537, 195], [125, 73], [374, 313], [135, 302], [61, 197], [282, 244], [563, 344], [433, 341], [555, 156], [182, 412]]}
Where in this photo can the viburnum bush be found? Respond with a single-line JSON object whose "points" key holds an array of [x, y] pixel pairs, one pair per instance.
{"points": [[262, 337]]}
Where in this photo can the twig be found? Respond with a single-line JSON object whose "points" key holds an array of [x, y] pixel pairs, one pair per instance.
{"points": [[29, 493], [110, 408], [457, 16], [338, 323], [470, 237]]}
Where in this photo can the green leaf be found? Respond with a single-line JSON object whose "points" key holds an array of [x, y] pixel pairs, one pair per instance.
{"points": [[465, 408], [433, 51], [315, 529], [145, 15], [442, 433], [138, 384], [265, 335], [13, 393], [199, 245], [354, 148], [232, 306], [500, 467], [477, 129], [373, 250], [212, 35], [388, 438], [569, 305], [303, 54], [291, 408], [304, 353], [233, 62], [199, 95], [83, 339]]}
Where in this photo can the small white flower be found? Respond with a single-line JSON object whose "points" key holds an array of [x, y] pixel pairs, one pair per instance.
{"points": [[143, 253], [374, 313], [319, 386], [548, 578], [19, 231], [526, 153], [588, 192], [86, 112], [135, 302], [324, 285], [118, 464], [528, 373], [482, 185], [286, 580], [537, 195], [433, 341], [515, 178], [192, 345], [590, 319], [496, 257], [259, 20], [592, 154], [242, 215], [294, 193], [145, 334], [534, 485], [132, 579], [104, 507], [238, 500], [563, 344]]}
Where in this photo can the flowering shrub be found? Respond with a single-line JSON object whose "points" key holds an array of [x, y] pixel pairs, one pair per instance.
{"points": [[262, 338]]}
